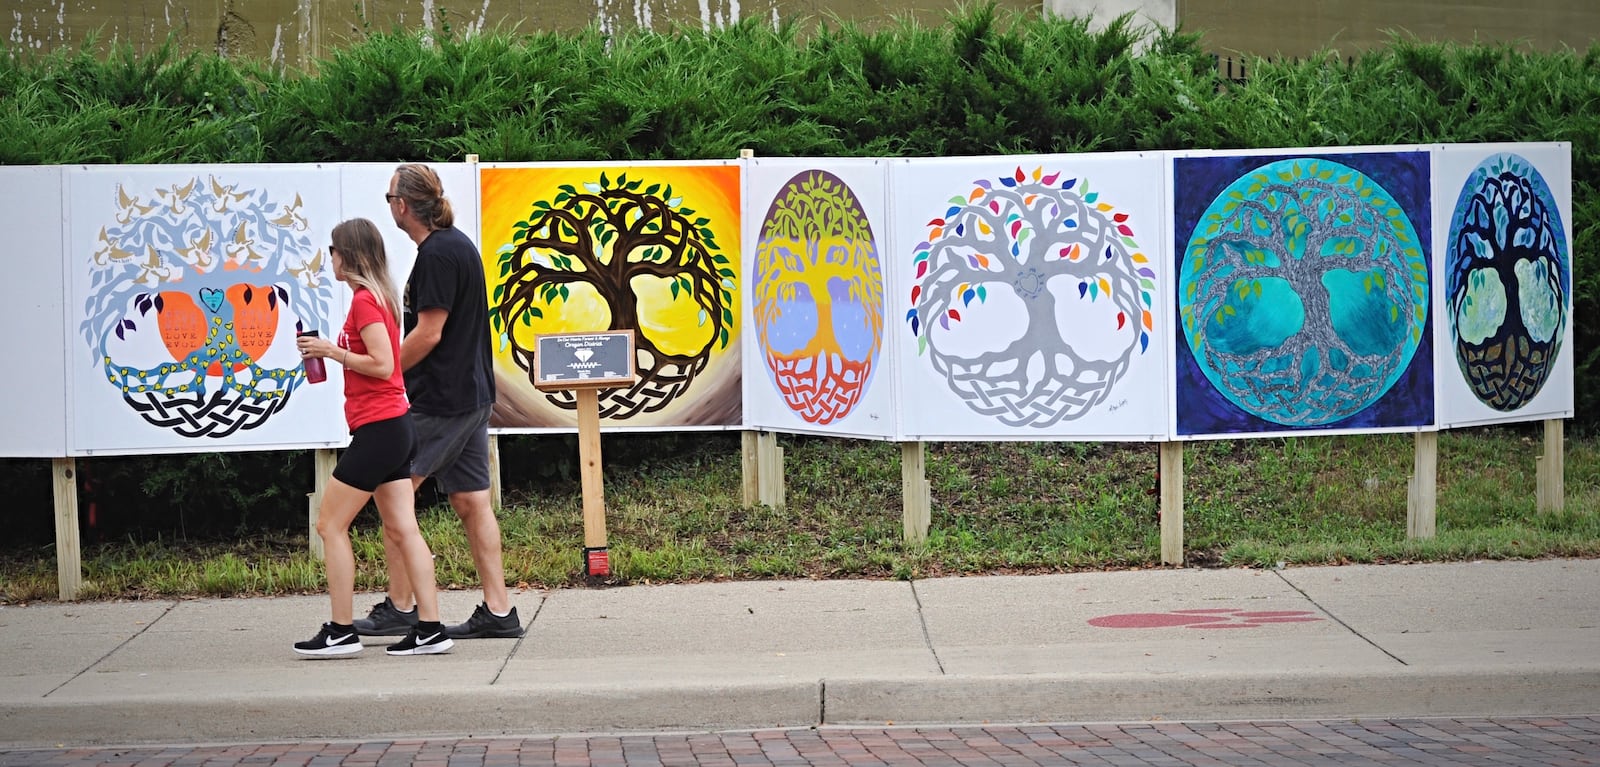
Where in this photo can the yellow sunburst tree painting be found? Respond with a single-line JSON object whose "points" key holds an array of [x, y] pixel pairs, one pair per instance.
{"points": [[648, 248]]}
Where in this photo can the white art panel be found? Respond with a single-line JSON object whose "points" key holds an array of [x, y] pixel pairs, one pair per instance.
{"points": [[1503, 297], [362, 196], [33, 400], [816, 240], [188, 285], [1027, 297], [1301, 287]]}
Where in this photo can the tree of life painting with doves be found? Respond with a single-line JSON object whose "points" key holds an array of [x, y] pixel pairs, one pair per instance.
{"points": [[196, 292], [1043, 248]]}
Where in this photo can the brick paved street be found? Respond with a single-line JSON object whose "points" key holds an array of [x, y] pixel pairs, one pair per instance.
{"points": [[1557, 742]]}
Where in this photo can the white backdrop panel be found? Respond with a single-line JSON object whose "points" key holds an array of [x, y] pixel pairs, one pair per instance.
{"points": [[816, 239], [188, 284], [1027, 297], [1503, 302], [33, 401], [362, 189]]}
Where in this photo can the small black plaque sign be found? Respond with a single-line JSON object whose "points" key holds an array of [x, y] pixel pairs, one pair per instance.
{"points": [[574, 360]]}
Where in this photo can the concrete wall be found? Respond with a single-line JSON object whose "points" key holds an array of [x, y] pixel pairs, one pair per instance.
{"points": [[1162, 13], [294, 32], [1304, 27]]}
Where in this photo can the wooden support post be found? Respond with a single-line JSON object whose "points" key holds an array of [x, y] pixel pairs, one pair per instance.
{"points": [[587, 363], [494, 471], [752, 466], [769, 470], [1422, 491], [597, 559], [69, 553], [1550, 488], [326, 459], [761, 464], [916, 494], [1171, 468], [749, 469]]}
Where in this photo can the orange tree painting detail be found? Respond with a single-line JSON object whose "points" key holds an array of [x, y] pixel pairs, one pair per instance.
{"points": [[627, 251]]}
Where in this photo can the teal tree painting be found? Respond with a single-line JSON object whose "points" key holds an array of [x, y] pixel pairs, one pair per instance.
{"points": [[1303, 292]]}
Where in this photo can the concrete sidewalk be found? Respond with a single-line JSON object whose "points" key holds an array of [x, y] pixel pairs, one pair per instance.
{"points": [[1471, 639]]}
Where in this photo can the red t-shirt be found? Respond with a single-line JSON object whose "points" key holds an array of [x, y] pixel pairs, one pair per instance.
{"points": [[368, 399]]}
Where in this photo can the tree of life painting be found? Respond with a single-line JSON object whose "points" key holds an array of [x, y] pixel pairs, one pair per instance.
{"points": [[818, 296], [196, 292], [618, 253], [1031, 297], [1508, 275], [1303, 290]]}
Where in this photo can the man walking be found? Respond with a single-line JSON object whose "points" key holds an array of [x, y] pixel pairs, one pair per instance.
{"points": [[446, 356]]}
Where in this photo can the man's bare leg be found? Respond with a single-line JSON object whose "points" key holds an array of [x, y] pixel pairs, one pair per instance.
{"points": [[483, 534]]}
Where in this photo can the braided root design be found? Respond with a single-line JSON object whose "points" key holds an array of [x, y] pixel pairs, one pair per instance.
{"points": [[219, 415]]}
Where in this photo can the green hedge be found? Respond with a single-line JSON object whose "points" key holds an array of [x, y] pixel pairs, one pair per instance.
{"points": [[982, 83]]}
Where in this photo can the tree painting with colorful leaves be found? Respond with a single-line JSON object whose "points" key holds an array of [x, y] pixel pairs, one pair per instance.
{"points": [[1031, 297]]}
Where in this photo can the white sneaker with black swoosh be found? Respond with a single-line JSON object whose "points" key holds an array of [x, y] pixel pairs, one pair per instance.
{"points": [[423, 641], [331, 641]]}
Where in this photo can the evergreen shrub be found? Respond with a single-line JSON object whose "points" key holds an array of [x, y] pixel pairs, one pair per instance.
{"points": [[982, 83]]}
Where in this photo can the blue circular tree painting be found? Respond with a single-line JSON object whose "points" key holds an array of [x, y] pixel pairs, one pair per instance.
{"points": [[1303, 291]]}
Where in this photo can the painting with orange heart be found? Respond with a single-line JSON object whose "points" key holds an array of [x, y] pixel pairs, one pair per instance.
{"points": [[192, 284]]}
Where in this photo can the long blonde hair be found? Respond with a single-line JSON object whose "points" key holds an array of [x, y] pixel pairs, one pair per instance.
{"points": [[365, 263]]}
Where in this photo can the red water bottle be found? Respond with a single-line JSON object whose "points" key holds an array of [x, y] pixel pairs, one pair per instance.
{"points": [[316, 371]]}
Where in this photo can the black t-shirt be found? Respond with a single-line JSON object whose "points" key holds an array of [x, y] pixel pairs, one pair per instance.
{"points": [[457, 376]]}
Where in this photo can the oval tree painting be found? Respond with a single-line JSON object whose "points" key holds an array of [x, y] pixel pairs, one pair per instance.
{"points": [[1508, 276]]}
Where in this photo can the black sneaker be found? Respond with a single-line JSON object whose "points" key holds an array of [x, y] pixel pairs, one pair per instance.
{"points": [[414, 644], [331, 641], [486, 624], [386, 621]]}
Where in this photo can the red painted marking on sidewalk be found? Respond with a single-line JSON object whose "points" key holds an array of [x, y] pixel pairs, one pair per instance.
{"points": [[1150, 620], [1210, 618]]}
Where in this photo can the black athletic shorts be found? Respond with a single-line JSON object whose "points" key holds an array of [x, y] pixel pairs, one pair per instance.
{"points": [[380, 452]]}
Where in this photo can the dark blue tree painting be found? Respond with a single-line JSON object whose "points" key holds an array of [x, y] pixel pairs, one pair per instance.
{"points": [[1508, 277], [1303, 292]]}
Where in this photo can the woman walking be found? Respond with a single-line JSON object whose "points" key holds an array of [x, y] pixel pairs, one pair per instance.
{"points": [[382, 444]]}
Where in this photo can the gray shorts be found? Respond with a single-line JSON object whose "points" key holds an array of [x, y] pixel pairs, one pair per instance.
{"points": [[454, 450]]}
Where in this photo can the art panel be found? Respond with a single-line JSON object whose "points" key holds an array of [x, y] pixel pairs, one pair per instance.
{"points": [[817, 291], [1503, 217], [1302, 292], [654, 248], [188, 285], [1027, 297], [33, 399], [362, 189]]}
